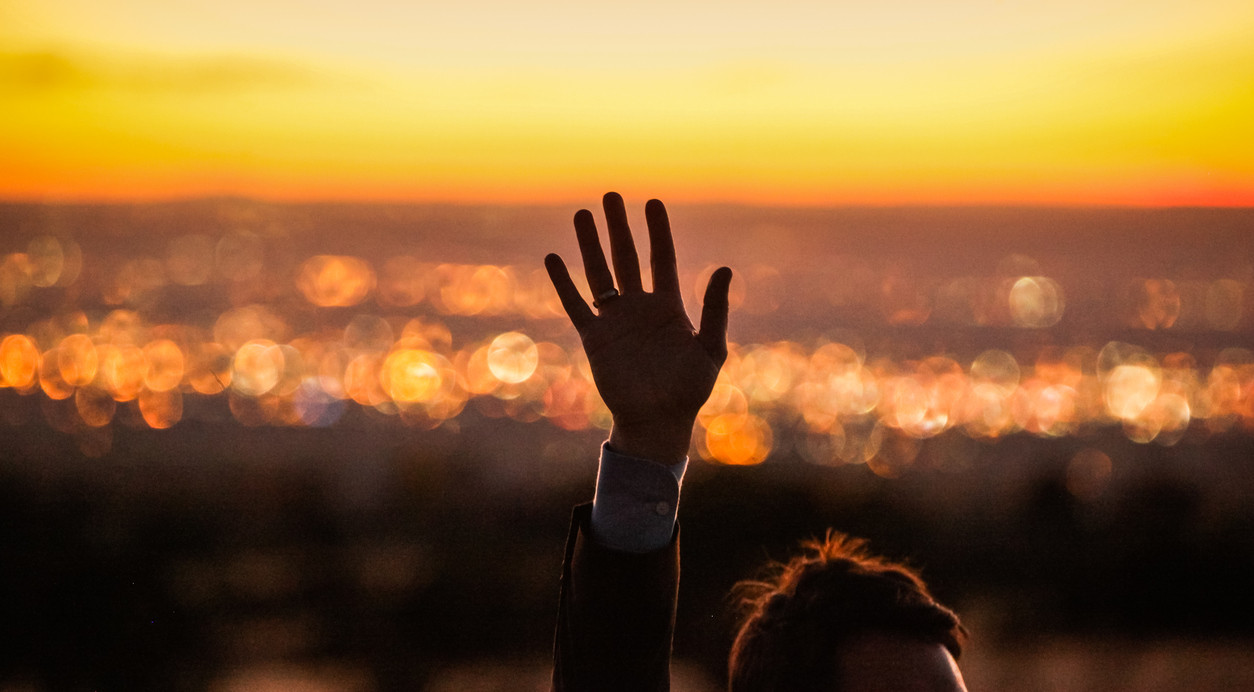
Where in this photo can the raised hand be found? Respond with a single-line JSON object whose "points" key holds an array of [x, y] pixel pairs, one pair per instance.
{"points": [[653, 370]]}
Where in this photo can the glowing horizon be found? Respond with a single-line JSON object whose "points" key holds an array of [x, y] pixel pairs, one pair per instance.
{"points": [[978, 102]]}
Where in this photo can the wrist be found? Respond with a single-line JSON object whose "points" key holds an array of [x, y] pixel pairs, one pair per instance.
{"points": [[663, 442]]}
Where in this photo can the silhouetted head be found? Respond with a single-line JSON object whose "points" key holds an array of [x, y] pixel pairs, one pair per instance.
{"points": [[838, 618]]}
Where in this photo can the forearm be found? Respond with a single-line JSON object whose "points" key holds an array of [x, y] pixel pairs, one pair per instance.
{"points": [[620, 579], [617, 615]]}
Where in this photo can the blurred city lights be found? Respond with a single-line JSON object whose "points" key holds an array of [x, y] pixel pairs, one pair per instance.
{"points": [[422, 340]]}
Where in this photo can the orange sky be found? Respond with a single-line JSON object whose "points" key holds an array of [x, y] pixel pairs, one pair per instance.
{"points": [[968, 101]]}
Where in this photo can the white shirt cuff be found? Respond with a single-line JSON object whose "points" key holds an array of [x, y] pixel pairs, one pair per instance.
{"points": [[636, 502]]}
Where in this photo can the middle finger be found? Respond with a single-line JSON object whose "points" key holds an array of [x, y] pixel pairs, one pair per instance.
{"points": [[622, 247]]}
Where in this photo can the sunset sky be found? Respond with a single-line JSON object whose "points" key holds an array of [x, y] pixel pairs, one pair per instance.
{"points": [[787, 102]]}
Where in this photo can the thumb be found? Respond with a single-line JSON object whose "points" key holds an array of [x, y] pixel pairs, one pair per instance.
{"points": [[713, 334]]}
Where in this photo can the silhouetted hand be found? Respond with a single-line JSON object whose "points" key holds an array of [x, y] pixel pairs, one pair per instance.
{"points": [[653, 370]]}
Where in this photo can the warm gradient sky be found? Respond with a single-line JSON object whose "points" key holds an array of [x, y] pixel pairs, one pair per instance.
{"points": [[783, 102]]}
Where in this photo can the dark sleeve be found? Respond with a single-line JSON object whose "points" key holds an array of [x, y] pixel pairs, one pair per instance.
{"points": [[616, 616]]}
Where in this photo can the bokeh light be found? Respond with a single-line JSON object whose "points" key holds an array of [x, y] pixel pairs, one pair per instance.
{"points": [[209, 368], [161, 410], [19, 361], [512, 357], [165, 365], [335, 281], [738, 440], [47, 261], [257, 367], [122, 371], [51, 381], [77, 360], [411, 375], [1036, 301], [1158, 304]]}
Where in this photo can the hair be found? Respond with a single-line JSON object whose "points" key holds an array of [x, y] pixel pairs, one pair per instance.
{"points": [[796, 617]]}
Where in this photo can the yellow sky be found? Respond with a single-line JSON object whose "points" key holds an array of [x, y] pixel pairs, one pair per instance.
{"points": [[785, 102]]}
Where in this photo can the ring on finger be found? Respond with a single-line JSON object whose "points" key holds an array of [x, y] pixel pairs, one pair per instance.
{"points": [[604, 297]]}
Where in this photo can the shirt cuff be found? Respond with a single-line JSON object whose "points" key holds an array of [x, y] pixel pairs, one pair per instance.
{"points": [[636, 502]]}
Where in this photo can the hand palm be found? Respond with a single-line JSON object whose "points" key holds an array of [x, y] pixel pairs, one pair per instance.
{"points": [[652, 369], [647, 361]]}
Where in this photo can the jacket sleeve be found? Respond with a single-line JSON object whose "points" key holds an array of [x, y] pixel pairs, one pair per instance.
{"points": [[616, 617]]}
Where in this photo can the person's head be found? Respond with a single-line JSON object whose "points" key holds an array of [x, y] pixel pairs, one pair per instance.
{"points": [[836, 618]]}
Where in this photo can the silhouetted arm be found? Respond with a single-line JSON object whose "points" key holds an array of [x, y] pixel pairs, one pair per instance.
{"points": [[654, 371]]}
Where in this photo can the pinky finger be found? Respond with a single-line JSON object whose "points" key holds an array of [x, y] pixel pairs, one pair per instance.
{"points": [[713, 334], [576, 309]]}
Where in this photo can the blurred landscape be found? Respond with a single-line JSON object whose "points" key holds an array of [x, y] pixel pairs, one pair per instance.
{"points": [[253, 446]]}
